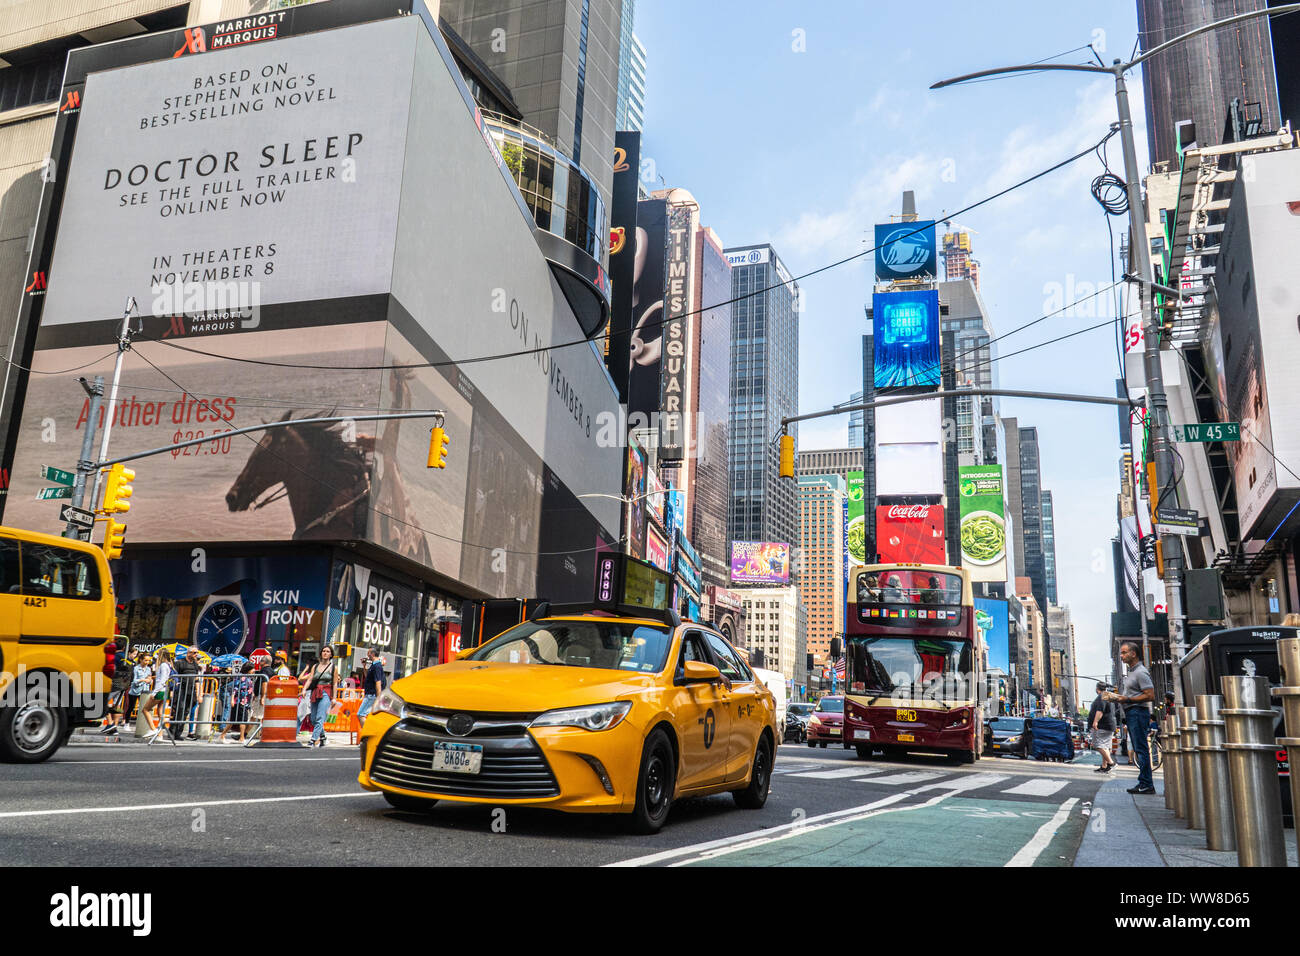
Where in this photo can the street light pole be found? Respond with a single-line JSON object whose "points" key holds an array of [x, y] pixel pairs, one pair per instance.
{"points": [[1157, 398]]}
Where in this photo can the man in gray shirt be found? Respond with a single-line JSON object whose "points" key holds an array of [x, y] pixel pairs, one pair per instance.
{"points": [[1136, 695]]}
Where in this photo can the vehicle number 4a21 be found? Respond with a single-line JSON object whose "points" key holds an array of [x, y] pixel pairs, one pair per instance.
{"points": [[34, 601]]}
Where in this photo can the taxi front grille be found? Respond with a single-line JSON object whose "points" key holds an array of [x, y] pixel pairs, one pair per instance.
{"points": [[512, 768]]}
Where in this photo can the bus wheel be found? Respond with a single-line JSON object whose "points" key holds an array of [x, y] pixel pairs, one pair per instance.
{"points": [[864, 751]]}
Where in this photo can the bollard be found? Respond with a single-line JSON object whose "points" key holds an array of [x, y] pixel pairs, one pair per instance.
{"points": [[1252, 771], [1166, 764], [1216, 796], [1193, 801], [1288, 654], [1174, 756]]}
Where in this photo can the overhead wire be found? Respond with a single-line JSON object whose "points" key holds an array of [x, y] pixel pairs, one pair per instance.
{"points": [[519, 353]]}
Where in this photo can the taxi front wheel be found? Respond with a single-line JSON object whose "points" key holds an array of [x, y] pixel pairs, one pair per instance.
{"points": [[655, 785]]}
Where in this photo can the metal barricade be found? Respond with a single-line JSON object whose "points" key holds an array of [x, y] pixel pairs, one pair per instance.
{"points": [[1193, 801], [1288, 654], [1216, 794], [1252, 771], [199, 704]]}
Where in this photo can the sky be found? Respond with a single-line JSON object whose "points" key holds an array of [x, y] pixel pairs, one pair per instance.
{"points": [[801, 125]]}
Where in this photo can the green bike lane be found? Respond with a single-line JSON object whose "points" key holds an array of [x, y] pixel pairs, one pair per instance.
{"points": [[963, 819]]}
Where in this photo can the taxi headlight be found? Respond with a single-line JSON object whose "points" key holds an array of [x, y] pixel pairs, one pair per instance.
{"points": [[591, 717], [390, 703]]}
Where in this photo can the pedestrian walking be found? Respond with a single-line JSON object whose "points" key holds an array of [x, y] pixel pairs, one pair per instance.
{"points": [[141, 677], [320, 682], [162, 673], [1101, 723], [1138, 692], [372, 685]]}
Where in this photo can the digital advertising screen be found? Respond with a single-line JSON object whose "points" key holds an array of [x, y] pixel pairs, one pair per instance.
{"points": [[905, 326], [906, 250], [910, 534], [760, 562]]}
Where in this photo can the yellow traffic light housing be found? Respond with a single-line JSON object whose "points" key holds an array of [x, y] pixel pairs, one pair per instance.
{"points": [[787, 456], [114, 539], [438, 443], [117, 490]]}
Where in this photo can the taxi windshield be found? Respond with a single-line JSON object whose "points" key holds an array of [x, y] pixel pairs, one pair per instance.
{"points": [[609, 645]]}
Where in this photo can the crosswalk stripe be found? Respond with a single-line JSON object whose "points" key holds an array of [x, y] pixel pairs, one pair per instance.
{"points": [[841, 773], [1038, 788], [970, 781], [914, 776]]}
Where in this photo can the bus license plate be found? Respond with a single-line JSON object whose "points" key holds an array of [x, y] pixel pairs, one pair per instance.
{"points": [[906, 739], [457, 758], [908, 716], [862, 735]]}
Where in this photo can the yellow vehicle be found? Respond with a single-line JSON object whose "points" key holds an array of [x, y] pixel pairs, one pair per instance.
{"points": [[57, 655], [593, 711]]}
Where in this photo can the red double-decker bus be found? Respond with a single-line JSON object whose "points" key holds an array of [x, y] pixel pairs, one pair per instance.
{"points": [[913, 660]]}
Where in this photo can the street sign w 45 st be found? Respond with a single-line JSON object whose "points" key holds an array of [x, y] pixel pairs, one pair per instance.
{"points": [[1208, 431]]}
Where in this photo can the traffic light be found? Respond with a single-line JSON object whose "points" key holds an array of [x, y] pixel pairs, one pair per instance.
{"points": [[438, 443], [114, 539], [117, 490], [787, 456]]}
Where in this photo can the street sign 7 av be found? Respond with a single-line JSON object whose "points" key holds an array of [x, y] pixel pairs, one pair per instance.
{"points": [[57, 475], [1207, 432]]}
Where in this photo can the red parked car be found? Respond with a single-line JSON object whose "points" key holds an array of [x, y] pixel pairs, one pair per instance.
{"points": [[826, 725]]}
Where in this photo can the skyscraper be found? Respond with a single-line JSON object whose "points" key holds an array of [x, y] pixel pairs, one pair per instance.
{"points": [[957, 260], [821, 566], [974, 357], [1049, 548], [1031, 515], [764, 388], [855, 422], [560, 60], [1197, 79], [630, 113]]}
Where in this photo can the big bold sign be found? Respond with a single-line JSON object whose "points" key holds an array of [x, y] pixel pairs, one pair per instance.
{"points": [[910, 534]]}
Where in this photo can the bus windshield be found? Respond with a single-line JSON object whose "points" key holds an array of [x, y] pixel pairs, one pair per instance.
{"points": [[920, 666], [905, 586]]}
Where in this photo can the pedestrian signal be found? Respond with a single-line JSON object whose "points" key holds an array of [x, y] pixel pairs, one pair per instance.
{"points": [[114, 539]]}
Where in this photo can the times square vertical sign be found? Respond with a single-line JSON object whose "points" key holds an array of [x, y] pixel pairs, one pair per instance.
{"points": [[673, 381]]}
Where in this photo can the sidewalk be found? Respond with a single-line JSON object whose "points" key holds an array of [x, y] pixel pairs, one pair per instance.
{"points": [[1129, 829]]}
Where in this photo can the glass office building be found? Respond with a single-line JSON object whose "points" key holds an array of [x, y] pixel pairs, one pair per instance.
{"points": [[764, 388]]}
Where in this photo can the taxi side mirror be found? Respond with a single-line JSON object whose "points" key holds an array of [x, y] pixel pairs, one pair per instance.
{"points": [[699, 672]]}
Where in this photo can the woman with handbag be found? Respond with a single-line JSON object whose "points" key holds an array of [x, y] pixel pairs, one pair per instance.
{"points": [[320, 683], [162, 674]]}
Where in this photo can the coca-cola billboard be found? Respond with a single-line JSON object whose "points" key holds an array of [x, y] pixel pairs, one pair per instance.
{"points": [[910, 534]]}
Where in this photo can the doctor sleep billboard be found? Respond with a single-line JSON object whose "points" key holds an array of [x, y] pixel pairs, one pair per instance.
{"points": [[349, 315]]}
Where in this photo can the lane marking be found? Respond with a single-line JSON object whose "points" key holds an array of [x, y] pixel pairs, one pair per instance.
{"points": [[1030, 852], [1039, 788], [913, 776], [755, 838], [842, 773], [114, 763], [10, 814]]}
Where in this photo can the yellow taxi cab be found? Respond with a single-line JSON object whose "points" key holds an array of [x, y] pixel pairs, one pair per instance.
{"points": [[57, 654], [589, 712]]}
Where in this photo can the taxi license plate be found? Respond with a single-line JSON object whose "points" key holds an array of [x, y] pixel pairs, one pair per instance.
{"points": [[457, 758], [908, 716], [906, 738]]}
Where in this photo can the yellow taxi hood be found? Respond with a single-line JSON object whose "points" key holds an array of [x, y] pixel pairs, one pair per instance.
{"points": [[502, 687]]}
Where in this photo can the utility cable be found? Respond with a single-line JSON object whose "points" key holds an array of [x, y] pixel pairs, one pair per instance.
{"points": [[658, 323]]}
